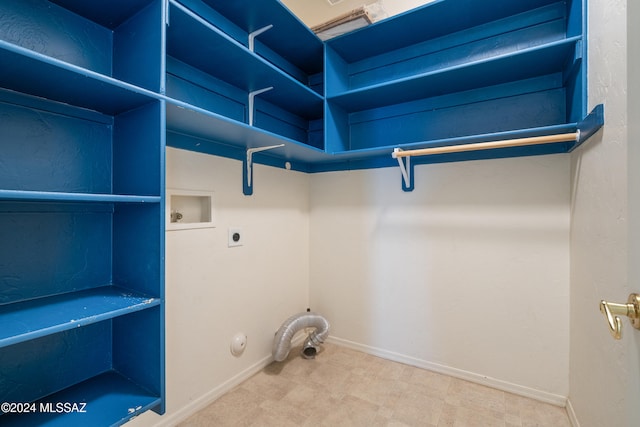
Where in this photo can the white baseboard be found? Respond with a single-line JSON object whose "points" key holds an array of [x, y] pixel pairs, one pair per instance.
{"points": [[174, 418], [572, 414], [520, 390]]}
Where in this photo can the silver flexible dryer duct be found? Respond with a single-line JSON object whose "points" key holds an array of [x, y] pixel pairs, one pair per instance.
{"points": [[298, 322]]}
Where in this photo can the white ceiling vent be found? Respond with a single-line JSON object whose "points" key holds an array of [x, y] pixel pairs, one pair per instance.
{"points": [[332, 2], [357, 18]]}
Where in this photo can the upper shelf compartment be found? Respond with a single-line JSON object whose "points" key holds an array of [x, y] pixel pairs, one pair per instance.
{"points": [[210, 70], [456, 69], [287, 43], [117, 39], [444, 18], [462, 59], [457, 76], [194, 41]]}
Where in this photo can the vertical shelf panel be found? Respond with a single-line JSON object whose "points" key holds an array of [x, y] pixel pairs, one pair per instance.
{"points": [[138, 149]]}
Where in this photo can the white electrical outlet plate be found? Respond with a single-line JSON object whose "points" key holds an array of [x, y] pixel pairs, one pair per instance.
{"points": [[236, 237]]}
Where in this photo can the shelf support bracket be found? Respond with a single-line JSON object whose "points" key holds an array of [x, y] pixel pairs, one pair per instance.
{"points": [[254, 34], [247, 168], [252, 96], [406, 168]]}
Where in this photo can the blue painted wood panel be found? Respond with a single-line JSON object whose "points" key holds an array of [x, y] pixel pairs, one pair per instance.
{"points": [[37, 368], [433, 20], [48, 249], [136, 334], [109, 14], [531, 110], [35, 74], [138, 48], [525, 64], [192, 86], [128, 48], [111, 400], [289, 37], [51, 30], [138, 147], [46, 151], [35, 318], [223, 58], [439, 54], [138, 252]]}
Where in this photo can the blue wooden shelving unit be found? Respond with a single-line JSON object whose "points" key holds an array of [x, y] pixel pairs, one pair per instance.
{"points": [[81, 209], [91, 90], [448, 73], [455, 71]]}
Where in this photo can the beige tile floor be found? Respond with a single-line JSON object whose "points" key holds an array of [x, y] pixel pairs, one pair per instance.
{"points": [[343, 387]]}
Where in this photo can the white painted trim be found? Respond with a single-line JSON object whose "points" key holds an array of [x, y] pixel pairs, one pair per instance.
{"points": [[572, 414], [208, 398], [520, 390], [174, 418]]}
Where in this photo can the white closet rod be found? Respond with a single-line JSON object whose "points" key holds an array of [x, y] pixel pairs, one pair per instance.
{"points": [[517, 142]]}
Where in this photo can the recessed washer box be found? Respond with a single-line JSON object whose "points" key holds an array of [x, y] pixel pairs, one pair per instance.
{"points": [[187, 209]]}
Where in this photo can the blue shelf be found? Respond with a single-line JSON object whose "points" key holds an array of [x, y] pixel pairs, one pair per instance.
{"points": [[431, 21], [40, 75], [198, 43], [109, 14], [109, 399], [45, 196], [289, 37], [466, 72], [208, 129], [386, 150], [32, 319], [525, 64]]}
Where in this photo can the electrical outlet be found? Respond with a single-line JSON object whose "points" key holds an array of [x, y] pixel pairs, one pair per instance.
{"points": [[236, 237]]}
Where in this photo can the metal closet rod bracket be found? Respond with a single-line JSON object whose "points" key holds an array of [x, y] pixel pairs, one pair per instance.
{"points": [[247, 168], [406, 168]]}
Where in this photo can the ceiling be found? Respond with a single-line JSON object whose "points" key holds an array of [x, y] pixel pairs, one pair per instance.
{"points": [[316, 12]]}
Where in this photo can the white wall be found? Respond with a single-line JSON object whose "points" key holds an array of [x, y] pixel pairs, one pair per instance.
{"points": [[213, 291], [468, 274], [604, 374]]}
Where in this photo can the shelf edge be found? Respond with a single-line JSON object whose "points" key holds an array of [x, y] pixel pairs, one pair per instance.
{"points": [[54, 196]]}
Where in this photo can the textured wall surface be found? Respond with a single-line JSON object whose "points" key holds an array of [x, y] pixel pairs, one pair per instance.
{"points": [[469, 273], [604, 384], [214, 291]]}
